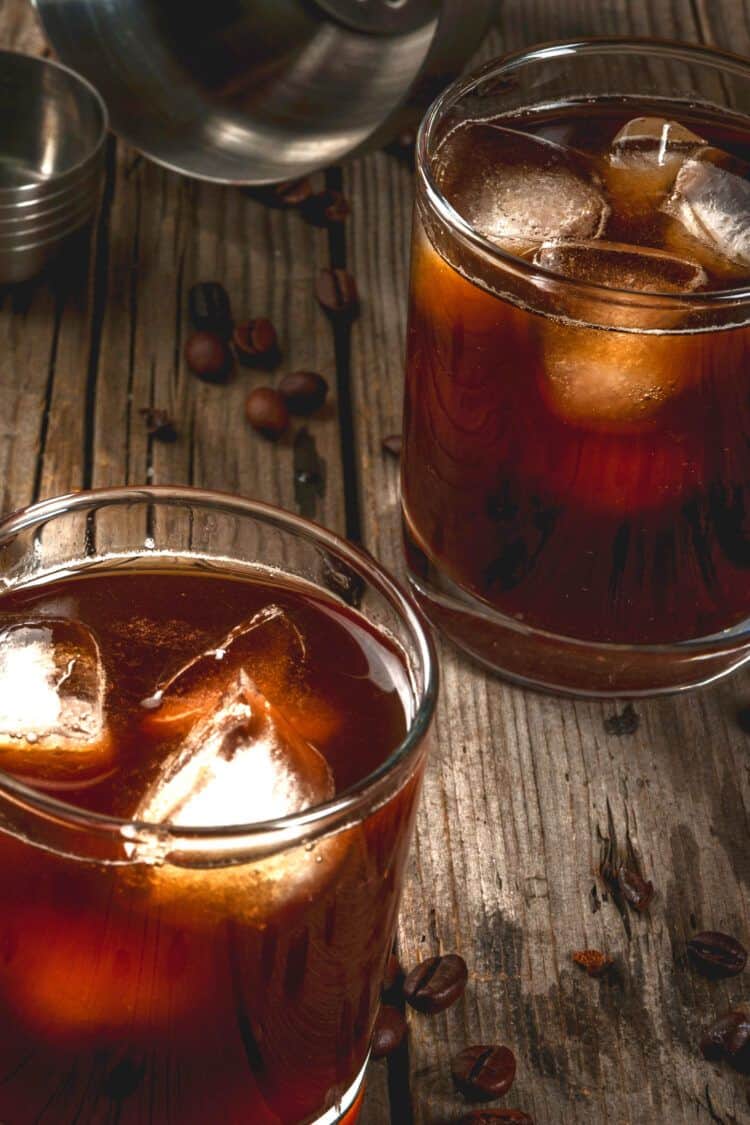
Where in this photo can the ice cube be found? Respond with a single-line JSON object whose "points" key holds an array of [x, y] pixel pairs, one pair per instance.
{"points": [[711, 201], [620, 266], [269, 646], [517, 188], [240, 764], [644, 158], [52, 698]]}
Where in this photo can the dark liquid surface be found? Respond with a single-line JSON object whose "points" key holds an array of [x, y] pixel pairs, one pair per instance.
{"points": [[193, 994], [566, 466]]}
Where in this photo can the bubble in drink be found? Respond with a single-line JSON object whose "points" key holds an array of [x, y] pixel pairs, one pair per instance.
{"points": [[712, 203], [643, 160], [52, 697], [241, 764], [522, 188]]}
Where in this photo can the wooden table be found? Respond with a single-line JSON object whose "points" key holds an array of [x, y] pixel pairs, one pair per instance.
{"points": [[522, 787]]}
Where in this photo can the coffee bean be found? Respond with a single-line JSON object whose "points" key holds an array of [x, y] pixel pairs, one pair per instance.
{"points": [[635, 889], [326, 207], [390, 1029], [728, 1039], [208, 356], [293, 193], [304, 391], [209, 309], [336, 291], [392, 444], [256, 343], [435, 984], [717, 955], [595, 963], [482, 1073], [488, 1116], [266, 412], [159, 425]]}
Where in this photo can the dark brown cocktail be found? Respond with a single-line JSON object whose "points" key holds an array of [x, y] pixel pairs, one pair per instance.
{"points": [[577, 427], [191, 971]]}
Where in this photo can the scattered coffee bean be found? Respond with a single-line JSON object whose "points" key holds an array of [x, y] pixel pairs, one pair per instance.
{"points": [[624, 722], [390, 1029], [435, 984], [393, 975], [728, 1039], [293, 193], [392, 444], [336, 291], [209, 308], [343, 581], [304, 391], [717, 955], [256, 343], [326, 207], [488, 1116], [266, 412], [482, 1073], [208, 356], [635, 889], [595, 963], [159, 425]]}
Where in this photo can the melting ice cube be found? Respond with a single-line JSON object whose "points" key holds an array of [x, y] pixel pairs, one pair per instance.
{"points": [[619, 266], [514, 186], [52, 695], [644, 158], [240, 764], [711, 201]]}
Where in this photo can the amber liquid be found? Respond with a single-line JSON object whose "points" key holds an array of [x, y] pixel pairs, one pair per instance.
{"points": [[617, 515], [243, 994]]}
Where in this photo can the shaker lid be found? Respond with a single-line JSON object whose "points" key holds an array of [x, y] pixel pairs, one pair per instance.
{"points": [[382, 17]]}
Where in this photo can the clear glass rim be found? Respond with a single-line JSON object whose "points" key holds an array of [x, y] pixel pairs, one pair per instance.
{"points": [[663, 48], [327, 815]]}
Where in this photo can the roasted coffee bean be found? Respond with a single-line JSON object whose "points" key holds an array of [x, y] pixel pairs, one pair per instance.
{"points": [[326, 207], [482, 1073], [595, 963], [435, 984], [728, 1039], [390, 1029], [488, 1116], [635, 889], [267, 412], [304, 391], [717, 955], [392, 444], [208, 356], [256, 343], [336, 291], [159, 425], [293, 193], [209, 308]]}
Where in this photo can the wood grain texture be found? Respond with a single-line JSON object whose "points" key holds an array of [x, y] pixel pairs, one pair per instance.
{"points": [[522, 787]]}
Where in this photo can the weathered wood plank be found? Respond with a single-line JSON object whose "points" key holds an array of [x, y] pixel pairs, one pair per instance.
{"points": [[522, 785]]}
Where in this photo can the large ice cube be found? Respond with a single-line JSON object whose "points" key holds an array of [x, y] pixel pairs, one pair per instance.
{"points": [[240, 764], [619, 266], [52, 698], [269, 646], [644, 158], [711, 201], [517, 188]]}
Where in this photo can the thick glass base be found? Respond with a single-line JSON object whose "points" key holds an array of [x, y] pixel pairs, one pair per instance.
{"points": [[347, 1109], [565, 665]]}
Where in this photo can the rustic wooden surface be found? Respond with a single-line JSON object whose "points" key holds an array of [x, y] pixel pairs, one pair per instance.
{"points": [[522, 787]]}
